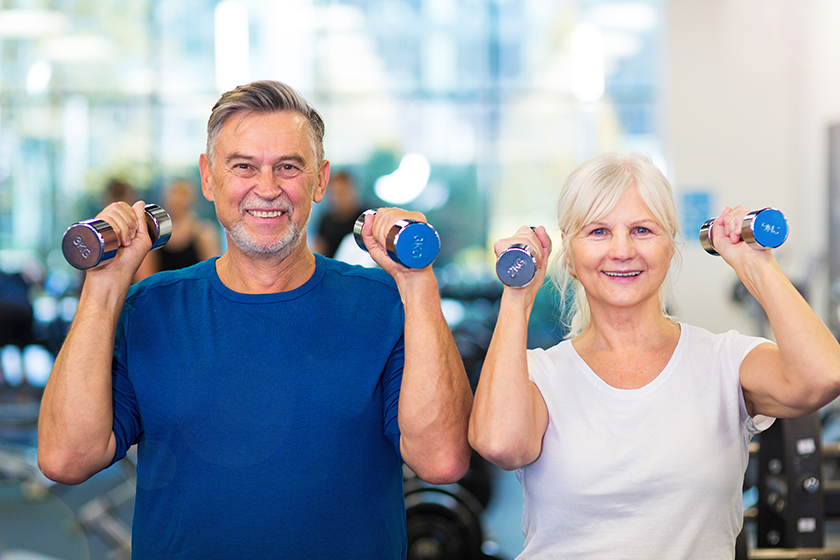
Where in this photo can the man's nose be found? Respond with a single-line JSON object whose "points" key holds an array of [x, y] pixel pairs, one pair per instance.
{"points": [[268, 184]]}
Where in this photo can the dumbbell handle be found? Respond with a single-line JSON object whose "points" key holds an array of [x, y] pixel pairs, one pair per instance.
{"points": [[764, 229], [516, 266], [86, 244], [410, 243]]}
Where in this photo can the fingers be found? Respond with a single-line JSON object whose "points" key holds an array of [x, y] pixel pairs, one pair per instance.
{"points": [[379, 224], [731, 221], [545, 240], [126, 221], [535, 238]]}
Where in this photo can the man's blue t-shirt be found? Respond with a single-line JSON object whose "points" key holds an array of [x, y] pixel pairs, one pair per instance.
{"points": [[267, 424]]}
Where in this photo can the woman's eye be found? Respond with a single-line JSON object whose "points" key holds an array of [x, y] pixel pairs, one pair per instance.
{"points": [[643, 230]]}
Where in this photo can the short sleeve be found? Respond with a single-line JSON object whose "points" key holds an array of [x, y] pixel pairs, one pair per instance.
{"points": [[391, 382], [740, 345], [127, 427]]}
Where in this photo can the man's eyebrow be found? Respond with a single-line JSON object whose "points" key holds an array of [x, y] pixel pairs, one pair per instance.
{"points": [[237, 156], [294, 158]]}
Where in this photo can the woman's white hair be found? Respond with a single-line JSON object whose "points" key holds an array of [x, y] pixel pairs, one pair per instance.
{"points": [[591, 192]]}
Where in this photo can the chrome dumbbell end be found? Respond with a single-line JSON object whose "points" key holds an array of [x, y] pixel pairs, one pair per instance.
{"points": [[88, 243], [516, 266], [159, 224]]}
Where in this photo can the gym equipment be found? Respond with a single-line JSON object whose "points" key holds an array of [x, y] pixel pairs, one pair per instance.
{"points": [[791, 510], [443, 522], [410, 243], [766, 228], [86, 244], [795, 499], [516, 266]]}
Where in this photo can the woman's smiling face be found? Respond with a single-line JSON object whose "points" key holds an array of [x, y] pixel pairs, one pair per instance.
{"points": [[623, 258]]}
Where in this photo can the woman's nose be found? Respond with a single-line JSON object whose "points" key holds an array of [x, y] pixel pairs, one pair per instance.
{"points": [[622, 247]]}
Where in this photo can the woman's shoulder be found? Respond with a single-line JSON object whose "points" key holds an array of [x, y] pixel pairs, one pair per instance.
{"points": [[701, 339], [562, 353]]}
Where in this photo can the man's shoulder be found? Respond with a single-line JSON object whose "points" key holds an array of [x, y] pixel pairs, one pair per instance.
{"points": [[340, 271], [171, 279]]}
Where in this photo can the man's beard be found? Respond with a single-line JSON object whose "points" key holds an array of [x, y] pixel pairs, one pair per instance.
{"points": [[278, 248]]}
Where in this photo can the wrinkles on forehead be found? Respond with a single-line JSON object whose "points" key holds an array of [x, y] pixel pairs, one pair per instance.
{"points": [[299, 122]]}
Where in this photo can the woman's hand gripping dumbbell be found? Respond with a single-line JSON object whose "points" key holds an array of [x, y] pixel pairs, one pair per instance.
{"points": [[517, 265], [763, 229], [90, 242], [410, 243]]}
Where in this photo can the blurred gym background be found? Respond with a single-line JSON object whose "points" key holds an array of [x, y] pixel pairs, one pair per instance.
{"points": [[471, 111]]}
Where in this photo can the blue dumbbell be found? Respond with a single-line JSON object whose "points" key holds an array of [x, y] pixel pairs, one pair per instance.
{"points": [[410, 243], [766, 229]]}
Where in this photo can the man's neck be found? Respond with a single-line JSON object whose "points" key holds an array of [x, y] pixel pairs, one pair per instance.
{"points": [[249, 275]]}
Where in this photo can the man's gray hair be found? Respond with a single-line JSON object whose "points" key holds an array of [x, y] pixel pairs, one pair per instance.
{"points": [[264, 96]]}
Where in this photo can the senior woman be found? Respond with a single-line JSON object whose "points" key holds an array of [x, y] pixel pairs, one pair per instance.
{"points": [[630, 437]]}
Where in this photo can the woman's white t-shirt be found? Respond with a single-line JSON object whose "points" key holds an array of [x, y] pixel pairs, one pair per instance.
{"points": [[648, 473]]}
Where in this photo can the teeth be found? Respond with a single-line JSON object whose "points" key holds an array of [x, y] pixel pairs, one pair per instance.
{"points": [[622, 274], [264, 214]]}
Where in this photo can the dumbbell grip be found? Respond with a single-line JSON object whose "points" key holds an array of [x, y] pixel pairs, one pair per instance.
{"points": [[410, 243], [90, 242], [516, 266], [764, 229]]}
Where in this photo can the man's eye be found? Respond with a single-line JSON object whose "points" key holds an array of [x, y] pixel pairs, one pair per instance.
{"points": [[288, 170]]}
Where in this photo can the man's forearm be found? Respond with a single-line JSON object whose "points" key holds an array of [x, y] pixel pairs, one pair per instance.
{"points": [[75, 434], [435, 397]]}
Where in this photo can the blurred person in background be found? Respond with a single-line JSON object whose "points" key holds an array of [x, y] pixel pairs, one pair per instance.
{"points": [[118, 190], [344, 209], [193, 239]]}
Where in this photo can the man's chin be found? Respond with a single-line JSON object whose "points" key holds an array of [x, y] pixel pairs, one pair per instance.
{"points": [[277, 249]]}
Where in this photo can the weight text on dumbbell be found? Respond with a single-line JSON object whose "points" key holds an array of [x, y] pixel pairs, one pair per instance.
{"points": [[770, 228], [514, 269], [417, 251], [80, 245]]}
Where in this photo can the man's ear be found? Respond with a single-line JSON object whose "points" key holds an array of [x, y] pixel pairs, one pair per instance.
{"points": [[323, 179], [206, 177]]}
